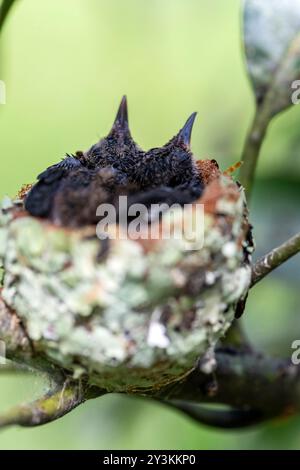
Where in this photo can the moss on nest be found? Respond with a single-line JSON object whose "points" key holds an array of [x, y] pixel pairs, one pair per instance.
{"points": [[139, 317]]}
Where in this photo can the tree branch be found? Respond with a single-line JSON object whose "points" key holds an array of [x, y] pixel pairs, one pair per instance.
{"points": [[220, 418], [275, 258], [254, 386], [246, 381], [62, 398], [63, 395], [252, 148], [13, 334]]}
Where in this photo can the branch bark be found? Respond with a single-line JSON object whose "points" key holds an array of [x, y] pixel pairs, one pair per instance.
{"points": [[252, 149], [62, 398], [275, 258], [264, 387]]}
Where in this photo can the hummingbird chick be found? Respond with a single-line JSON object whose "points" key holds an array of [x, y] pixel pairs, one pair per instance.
{"points": [[69, 192]]}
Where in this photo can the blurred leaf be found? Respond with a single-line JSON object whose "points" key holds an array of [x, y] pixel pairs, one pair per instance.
{"points": [[4, 10], [272, 44]]}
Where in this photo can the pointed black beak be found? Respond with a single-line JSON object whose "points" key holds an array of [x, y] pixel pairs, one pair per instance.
{"points": [[121, 120], [185, 134]]}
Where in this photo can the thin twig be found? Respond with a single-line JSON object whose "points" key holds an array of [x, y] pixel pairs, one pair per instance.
{"points": [[275, 258], [252, 149], [13, 367], [60, 400]]}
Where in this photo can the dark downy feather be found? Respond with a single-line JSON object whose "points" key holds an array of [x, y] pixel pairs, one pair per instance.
{"points": [[69, 192]]}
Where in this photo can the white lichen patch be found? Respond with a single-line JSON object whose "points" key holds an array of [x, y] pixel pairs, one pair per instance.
{"points": [[135, 318]]}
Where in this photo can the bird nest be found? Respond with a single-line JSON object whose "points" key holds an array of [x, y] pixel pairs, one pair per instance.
{"points": [[128, 313]]}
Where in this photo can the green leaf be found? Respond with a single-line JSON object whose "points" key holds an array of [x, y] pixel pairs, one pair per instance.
{"points": [[272, 45], [4, 11]]}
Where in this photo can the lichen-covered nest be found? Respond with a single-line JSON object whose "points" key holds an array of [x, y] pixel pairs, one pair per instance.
{"points": [[136, 314]]}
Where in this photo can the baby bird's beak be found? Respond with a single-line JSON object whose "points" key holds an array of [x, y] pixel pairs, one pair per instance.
{"points": [[184, 135]]}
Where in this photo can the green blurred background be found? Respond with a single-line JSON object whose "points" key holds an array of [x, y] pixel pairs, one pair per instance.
{"points": [[66, 64]]}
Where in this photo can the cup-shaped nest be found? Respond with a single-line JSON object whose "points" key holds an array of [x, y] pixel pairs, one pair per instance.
{"points": [[129, 313]]}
